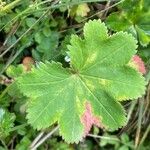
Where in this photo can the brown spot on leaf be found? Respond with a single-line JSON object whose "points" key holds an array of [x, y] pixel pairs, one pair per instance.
{"points": [[88, 119], [28, 62]]}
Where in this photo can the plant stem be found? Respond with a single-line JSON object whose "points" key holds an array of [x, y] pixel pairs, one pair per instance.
{"points": [[109, 138], [99, 12], [148, 77], [132, 106], [4, 144], [41, 141], [103, 137], [144, 136], [36, 139], [138, 131], [4, 92], [8, 7]]}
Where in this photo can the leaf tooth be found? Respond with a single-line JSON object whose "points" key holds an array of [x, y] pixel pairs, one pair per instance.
{"points": [[69, 141], [128, 36], [140, 93], [123, 120]]}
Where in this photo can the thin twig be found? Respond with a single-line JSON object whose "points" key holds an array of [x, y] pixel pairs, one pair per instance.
{"points": [[9, 6], [144, 136], [4, 144], [138, 131], [12, 32], [109, 138], [36, 139], [106, 6], [103, 137], [99, 12], [132, 106], [41, 141]]}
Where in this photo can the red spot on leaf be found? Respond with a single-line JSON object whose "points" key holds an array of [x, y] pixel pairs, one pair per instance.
{"points": [[88, 119], [139, 64]]}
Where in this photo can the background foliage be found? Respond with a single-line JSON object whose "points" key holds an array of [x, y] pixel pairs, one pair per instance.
{"points": [[38, 30]]}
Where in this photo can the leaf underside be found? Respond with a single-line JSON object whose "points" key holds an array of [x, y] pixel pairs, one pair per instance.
{"points": [[99, 75]]}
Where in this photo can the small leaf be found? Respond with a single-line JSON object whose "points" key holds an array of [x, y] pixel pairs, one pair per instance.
{"points": [[118, 21], [24, 143], [47, 32], [6, 122], [82, 10], [124, 138], [124, 147], [30, 21], [15, 71], [38, 37], [144, 37]]}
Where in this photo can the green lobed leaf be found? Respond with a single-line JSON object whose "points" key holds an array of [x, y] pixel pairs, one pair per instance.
{"points": [[99, 75], [118, 21], [135, 14], [144, 37], [6, 122]]}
